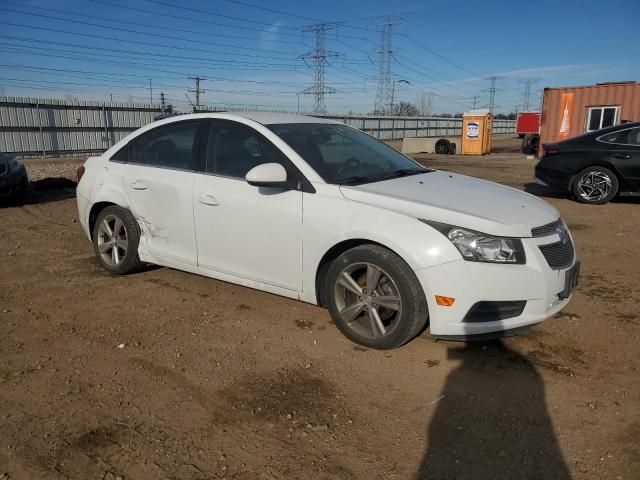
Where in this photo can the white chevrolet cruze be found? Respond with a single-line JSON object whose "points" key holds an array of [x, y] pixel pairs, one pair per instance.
{"points": [[318, 211]]}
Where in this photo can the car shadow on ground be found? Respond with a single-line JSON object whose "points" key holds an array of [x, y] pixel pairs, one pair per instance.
{"points": [[42, 191], [492, 421], [548, 192]]}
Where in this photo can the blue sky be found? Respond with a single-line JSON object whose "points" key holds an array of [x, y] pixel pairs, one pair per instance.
{"points": [[101, 49]]}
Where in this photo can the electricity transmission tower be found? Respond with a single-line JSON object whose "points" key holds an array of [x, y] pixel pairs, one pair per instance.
{"points": [[492, 91], [385, 54], [527, 93], [197, 90], [318, 57]]}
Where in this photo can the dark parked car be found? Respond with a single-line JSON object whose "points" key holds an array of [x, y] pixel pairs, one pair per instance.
{"points": [[596, 166], [13, 176]]}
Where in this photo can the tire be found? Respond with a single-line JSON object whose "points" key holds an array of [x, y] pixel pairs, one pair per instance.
{"points": [[442, 146], [123, 240], [595, 185], [354, 309], [530, 143]]}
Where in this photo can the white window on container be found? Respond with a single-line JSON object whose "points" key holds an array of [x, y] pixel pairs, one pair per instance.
{"points": [[601, 117]]}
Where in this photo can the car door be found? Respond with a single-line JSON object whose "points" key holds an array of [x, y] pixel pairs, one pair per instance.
{"points": [[254, 233], [624, 154], [159, 177]]}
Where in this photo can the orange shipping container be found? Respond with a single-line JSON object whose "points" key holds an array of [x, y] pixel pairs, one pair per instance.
{"points": [[571, 111]]}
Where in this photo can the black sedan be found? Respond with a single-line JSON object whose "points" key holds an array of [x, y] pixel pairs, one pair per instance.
{"points": [[596, 166]]}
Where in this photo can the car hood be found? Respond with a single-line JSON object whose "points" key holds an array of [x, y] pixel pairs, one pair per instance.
{"points": [[458, 200]]}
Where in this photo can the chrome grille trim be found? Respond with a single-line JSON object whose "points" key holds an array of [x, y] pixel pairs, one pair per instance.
{"points": [[546, 230]]}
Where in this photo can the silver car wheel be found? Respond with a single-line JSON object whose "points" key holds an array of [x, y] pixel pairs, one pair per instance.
{"points": [[594, 186], [112, 240], [368, 300]]}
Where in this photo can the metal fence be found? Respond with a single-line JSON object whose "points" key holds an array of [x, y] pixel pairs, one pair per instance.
{"points": [[391, 128], [30, 126]]}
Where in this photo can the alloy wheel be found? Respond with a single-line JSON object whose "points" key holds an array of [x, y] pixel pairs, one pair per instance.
{"points": [[368, 300], [594, 186], [112, 240]]}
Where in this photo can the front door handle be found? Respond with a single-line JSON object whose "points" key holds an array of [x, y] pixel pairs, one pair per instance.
{"points": [[138, 185], [208, 199], [624, 156]]}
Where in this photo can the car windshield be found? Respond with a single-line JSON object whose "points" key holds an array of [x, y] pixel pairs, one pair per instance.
{"points": [[343, 155]]}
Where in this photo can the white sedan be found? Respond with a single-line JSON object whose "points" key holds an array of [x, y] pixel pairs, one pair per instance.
{"points": [[318, 211]]}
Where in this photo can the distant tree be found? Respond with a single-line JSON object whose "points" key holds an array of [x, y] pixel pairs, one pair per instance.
{"points": [[512, 116], [500, 116], [405, 109], [458, 115], [425, 103]]}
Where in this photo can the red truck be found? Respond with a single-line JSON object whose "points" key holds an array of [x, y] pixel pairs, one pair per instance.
{"points": [[527, 122]]}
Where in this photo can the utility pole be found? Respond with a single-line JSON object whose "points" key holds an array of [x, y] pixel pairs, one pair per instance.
{"points": [[150, 91], [163, 105], [385, 54], [197, 91], [318, 57], [492, 91], [475, 101]]}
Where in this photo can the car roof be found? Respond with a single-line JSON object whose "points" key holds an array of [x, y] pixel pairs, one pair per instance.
{"points": [[270, 118]]}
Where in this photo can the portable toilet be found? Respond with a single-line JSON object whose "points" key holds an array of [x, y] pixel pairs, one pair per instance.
{"points": [[476, 132]]}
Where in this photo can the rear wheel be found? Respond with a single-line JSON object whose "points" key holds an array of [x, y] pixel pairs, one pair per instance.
{"points": [[115, 240], [595, 185], [375, 299], [442, 146]]}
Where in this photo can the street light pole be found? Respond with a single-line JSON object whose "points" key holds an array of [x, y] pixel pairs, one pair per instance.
{"points": [[393, 116], [393, 91]]}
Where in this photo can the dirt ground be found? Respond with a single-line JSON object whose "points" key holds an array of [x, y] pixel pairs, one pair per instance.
{"points": [[167, 375]]}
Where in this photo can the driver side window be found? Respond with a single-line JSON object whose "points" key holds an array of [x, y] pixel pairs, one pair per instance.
{"points": [[234, 149]]}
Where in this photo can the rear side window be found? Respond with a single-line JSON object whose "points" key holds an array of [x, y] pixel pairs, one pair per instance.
{"points": [[623, 137], [169, 146], [234, 149]]}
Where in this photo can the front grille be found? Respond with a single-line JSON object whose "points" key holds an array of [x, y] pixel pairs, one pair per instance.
{"points": [[548, 229], [3, 168], [559, 254]]}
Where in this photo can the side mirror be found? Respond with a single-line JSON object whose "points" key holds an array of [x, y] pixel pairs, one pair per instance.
{"points": [[267, 175]]}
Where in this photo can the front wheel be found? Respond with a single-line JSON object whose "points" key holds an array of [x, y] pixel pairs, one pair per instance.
{"points": [[595, 185], [115, 240], [375, 299]]}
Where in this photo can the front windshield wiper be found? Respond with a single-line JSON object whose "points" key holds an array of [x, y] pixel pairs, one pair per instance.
{"points": [[356, 180]]}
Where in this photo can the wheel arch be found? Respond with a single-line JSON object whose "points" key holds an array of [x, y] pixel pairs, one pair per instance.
{"points": [[96, 208], [334, 252]]}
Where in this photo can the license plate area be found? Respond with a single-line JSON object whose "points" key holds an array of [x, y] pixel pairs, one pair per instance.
{"points": [[570, 281]]}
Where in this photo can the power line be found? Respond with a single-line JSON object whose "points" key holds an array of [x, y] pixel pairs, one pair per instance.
{"points": [[319, 56], [138, 32], [436, 54], [146, 25]]}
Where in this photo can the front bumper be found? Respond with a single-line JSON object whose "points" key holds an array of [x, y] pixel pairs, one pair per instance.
{"points": [[13, 182], [472, 282]]}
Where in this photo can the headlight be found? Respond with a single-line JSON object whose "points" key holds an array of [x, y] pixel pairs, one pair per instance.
{"points": [[480, 247]]}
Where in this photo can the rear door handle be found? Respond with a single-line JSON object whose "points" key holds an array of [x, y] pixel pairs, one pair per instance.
{"points": [[622, 155], [208, 199], [138, 185]]}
